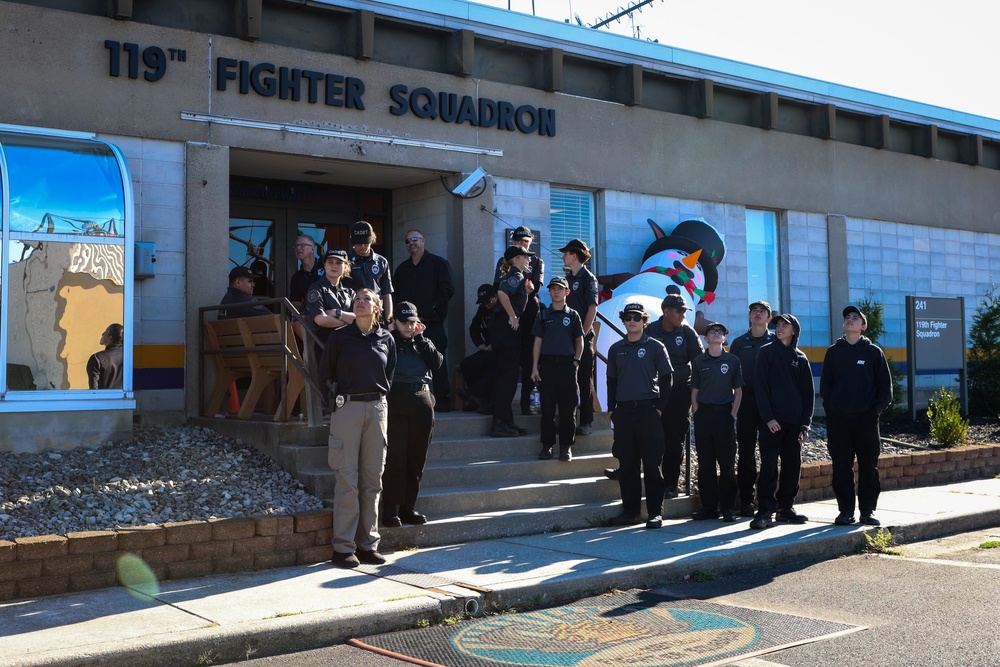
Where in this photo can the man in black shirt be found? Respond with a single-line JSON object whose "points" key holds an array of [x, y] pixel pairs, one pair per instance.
{"points": [[425, 281], [309, 272], [104, 368], [583, 299], [639, 375], [748, 420]]}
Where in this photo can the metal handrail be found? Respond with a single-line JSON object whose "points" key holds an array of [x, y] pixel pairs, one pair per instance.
{"points": [[288, 312]]}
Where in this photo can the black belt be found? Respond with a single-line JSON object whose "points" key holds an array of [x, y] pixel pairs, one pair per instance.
{"points": [[718, 407], [364, 398], [636, 404], [415, 387]]}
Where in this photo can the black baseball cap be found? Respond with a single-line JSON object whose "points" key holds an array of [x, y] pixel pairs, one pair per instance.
{"points": [[791, 319], [405, 312], [560, 281], [674, 301], [335, 252], [763, 304], [717, 325], [633, 308], [362, 232], [241, 272], [854, 309], [521, 233], [575, 244], [485, 293], [516, 251]]}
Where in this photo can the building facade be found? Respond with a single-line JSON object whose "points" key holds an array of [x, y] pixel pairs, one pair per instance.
{"points": [[234, 127]]}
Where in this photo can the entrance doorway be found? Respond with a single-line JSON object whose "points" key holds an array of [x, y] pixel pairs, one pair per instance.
{"points": [[266, 217]]}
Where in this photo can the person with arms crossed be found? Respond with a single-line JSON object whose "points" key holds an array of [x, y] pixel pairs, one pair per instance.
{"points": [[856, 387], [638, 369], [785, 398]]}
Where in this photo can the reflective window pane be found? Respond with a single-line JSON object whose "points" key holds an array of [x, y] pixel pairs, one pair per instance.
{"points": [[66, 296], [60, 186], [762, 257]]}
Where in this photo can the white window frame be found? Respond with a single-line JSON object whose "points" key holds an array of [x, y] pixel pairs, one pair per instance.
{"points": [[65, 400]]}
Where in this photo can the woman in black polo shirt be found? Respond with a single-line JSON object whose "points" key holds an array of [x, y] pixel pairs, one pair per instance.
{"points": [[358, 365], [411, 418]]}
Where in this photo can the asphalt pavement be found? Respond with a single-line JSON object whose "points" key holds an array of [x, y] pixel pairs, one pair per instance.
{"points": [[227, 618]]}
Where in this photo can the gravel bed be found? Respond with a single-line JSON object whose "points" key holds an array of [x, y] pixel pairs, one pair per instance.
{"points": [[163, 474]]}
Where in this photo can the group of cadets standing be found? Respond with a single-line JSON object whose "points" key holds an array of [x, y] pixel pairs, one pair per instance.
{"points": [[759, 394]]}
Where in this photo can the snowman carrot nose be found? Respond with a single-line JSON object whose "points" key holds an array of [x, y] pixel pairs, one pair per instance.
{"points": [[691, 260]]}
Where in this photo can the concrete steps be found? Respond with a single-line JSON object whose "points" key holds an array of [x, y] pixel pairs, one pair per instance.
{"points": [[477, 487]]}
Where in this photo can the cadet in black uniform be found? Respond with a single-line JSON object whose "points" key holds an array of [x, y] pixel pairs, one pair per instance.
{"points": [[716, 391], [329, 301], [683, 345], [536, 274], [556, 352], [512, 296], [785, 398], [583, 299], [748, 420], [639, 376], [239, 296], [411, 418], [478, 390], [368, 268], [856, 387]]}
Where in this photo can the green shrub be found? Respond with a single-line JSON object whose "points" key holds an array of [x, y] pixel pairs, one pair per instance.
{"points": [[945, 415], [983, 364]]}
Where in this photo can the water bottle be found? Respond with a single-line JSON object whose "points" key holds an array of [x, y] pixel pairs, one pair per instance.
{"points": [[535, 401]]}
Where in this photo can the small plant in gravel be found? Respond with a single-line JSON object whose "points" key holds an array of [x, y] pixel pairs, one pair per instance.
{"points": [[945, 415], [878, 542], [991, 544]]}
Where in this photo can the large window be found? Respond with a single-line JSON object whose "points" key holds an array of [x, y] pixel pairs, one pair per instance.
{"points": [[66, 271], [762, 257], [571, 216]]}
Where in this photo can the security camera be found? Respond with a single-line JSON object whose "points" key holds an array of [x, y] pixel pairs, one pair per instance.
{"points": [[469, 184]]}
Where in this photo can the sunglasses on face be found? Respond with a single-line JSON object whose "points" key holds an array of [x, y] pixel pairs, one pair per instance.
{"points": [[716, 332], [414, 239], [304, 245], [631, 317]]}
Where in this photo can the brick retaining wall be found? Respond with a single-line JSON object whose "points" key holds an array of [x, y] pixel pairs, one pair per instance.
{"points": [[52, 564]]}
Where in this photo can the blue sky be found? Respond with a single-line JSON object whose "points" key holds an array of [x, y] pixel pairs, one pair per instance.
{"points": [[932, 52]]}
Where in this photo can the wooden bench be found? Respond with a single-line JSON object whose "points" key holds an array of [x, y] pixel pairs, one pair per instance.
{"points": [[251, 347]]}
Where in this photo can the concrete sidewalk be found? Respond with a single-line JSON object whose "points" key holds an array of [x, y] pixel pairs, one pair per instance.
{"points": [[226, 618]]}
